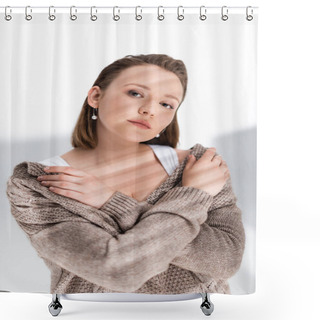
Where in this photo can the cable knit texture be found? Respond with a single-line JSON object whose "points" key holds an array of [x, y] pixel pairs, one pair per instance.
{"points": [[180, 240]]}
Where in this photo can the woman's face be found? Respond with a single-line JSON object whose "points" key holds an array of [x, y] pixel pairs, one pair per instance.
{"points": [[140, 93]]}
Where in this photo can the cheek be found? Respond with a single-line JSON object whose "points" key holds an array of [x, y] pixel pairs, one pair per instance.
{"points": [[163, 119], [167, 117], [114, 108]]}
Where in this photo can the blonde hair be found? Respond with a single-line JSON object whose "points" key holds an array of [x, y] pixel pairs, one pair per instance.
{"points": [[84, 133]]}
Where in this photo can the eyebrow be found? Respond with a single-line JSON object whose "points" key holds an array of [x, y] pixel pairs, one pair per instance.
{"points": [[147, 88]]}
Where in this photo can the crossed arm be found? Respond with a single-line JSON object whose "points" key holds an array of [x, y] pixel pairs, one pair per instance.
{"points": [[186, 227]]}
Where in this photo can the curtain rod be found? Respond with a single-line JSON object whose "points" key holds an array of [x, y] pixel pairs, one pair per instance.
{"points": [[127, 7], [123, 7], [74, 10]]}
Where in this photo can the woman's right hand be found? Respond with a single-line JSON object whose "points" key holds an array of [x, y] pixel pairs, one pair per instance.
{"points": [[77, 184], [209, 173]]}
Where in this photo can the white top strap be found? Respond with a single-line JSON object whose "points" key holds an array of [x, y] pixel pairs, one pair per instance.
{"points": [[54, 161], [165, 154]]}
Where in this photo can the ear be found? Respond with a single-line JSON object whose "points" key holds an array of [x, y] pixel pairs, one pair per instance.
{"points": [[94, 96]]}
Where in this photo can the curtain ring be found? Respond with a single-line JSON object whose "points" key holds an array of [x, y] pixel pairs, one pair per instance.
{"points": [[28, 16], [93, 16], [138, 17], [203, 16], [249, 16], [8, 17], [73, 16], [52, 16], [160, 16], [224, 17], [180, 16], [116, 17]]}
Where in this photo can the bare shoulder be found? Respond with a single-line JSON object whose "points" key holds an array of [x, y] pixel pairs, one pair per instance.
{"points": [[70, 155], [75, 158], [182, 154]]}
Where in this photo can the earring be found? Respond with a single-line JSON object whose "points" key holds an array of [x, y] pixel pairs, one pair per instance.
{"points": [[94, 116], [158, 135]]}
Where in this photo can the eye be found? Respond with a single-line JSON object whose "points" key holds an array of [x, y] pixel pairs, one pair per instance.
{"points": [[167, 105], [134, 93]]}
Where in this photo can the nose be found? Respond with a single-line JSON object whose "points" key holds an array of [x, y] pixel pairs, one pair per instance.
{"points": [[148, 108]]}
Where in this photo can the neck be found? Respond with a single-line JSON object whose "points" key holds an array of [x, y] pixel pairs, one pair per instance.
{"points": [[113, 153], [116, 153]]}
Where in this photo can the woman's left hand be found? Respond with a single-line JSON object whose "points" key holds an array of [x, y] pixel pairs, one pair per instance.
{"points": [[76, 184]]}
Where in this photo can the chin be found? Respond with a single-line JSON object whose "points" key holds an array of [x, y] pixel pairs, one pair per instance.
{"points": [[138, 138]]}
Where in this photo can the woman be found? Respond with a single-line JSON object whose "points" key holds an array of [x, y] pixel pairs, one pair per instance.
{"points": [[124, 211]]}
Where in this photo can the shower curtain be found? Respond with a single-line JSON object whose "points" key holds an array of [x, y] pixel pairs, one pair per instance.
{"points": [[51, 58]]}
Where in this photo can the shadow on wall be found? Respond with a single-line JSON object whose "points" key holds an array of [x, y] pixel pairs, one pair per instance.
{"points": [[21, 270], [239, 150]]}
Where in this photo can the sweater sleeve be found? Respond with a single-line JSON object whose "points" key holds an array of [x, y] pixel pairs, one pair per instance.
{"points": [[121, 262], [217, 250]]}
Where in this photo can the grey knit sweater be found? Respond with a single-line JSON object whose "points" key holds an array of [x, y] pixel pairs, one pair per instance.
{"points": [[180, 240]]}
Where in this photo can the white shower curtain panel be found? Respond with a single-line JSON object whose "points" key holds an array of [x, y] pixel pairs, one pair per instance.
{"points": [[48, 66]]}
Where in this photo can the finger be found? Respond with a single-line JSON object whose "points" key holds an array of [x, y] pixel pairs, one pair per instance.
{"points": [[65, 170], [217, 160], [208, 155], [67, 193], [59, 177], [62, 185], [191, 160], [224, 164]]}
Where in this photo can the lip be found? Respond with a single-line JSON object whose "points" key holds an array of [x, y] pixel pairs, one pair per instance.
{"points": [[141, 123]]}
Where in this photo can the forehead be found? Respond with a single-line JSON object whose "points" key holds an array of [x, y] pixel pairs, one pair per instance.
{"points": [[149, 75]]}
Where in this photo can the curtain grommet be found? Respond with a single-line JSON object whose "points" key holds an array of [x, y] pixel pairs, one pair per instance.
{"points": [[180, 16], [249, 16], [73, 16], [224, 13], [93, 17], [116, 17], [203, 15], [138, 16], [7, 16], [160, 16], [28, 16], [52, 16]]}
